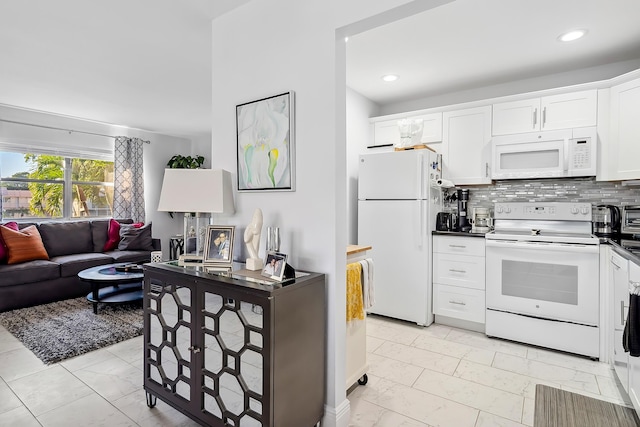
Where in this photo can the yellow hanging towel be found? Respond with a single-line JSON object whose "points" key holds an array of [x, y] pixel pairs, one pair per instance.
{"points": [[355, 306]]}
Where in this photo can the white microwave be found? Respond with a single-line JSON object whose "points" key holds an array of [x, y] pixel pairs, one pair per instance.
{"points": [[549, 154]]}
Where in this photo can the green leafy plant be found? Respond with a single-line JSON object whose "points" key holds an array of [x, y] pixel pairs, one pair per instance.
{"points": [[185, 162]]}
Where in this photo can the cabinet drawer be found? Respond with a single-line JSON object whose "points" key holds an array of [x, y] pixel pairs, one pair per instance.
{"points": [[459, 270], [459, 303], [459, 245]]}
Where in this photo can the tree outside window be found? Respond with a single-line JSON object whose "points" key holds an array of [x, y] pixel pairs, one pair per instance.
{"points": [[48, 186]]}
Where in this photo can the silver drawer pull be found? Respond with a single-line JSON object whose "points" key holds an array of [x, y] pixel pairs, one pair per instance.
{"points": [[457, 246], [453, 270], [457, 302]]}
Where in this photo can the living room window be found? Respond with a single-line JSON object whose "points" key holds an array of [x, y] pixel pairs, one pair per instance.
{"points": [[41, 185]]}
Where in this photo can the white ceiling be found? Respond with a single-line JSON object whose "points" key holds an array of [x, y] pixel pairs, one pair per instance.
{"points": [[146, 64], [467, 44]]}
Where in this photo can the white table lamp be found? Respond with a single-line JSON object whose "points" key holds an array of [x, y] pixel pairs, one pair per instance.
{"points": [[196, 192]]}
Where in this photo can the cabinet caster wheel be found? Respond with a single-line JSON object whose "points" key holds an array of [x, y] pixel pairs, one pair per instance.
{"points": [[363, 380], [151, 400]]}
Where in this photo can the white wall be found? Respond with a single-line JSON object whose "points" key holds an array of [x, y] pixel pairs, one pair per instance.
{"points": [[270, 46], [156, 154], [359, 136]]}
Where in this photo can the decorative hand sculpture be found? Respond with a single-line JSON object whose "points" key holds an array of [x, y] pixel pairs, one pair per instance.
{"points": [[252, 240]]}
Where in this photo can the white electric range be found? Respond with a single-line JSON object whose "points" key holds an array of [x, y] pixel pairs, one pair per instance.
{"points": [[542, 276]]}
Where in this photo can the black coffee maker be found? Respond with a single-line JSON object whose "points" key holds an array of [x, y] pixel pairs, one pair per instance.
{"points": [[463, 219]]}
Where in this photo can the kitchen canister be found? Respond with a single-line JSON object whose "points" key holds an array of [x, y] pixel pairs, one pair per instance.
{"points": [[156, 256]]}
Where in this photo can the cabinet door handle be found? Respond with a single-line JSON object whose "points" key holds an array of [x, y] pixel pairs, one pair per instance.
{"points": [[457, 246], [544, 116], [535, 117], [457, 302], [615, 265], [194, 349], [486, 170], [622, 312], [453, 270]]}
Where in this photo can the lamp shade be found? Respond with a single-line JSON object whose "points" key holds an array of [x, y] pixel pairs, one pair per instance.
{"points": [[196, 190]]}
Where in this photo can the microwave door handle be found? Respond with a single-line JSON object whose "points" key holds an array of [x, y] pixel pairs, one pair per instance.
{"points": [[566, 155]]}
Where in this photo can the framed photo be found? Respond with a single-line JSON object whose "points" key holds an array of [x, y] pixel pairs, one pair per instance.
{"points": [[218, 245], [274, 266], [265, 144]]}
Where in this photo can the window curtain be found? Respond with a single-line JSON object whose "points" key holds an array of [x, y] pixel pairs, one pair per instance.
{"points": [[128, 182]]}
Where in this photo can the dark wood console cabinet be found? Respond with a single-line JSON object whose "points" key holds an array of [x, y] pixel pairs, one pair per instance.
{"points": [[230, 352]]}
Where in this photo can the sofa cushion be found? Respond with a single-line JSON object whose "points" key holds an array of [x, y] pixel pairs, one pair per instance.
{"points": [[135, 239], [100, 229], [130, 256], [28, 272], [65, 238], [71, 265], [3, 249], [23, 245]]}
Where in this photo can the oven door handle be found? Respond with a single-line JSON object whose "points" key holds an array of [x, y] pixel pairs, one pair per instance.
{"points": [[560, 247]]}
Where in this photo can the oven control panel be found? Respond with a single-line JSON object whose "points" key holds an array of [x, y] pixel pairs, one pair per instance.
{"points": [[560, 211]]}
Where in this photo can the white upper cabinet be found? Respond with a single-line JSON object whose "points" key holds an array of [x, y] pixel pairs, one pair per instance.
{"points": [[386, 133], [567, 110], [431, 127], [465, 145], [623, 146], [428, 128]]}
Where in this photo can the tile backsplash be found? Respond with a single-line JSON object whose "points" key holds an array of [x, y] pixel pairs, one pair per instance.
{"points": [[553, 190]]}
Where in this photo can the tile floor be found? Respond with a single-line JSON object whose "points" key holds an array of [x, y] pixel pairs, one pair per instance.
{"points": [[435, 376]]}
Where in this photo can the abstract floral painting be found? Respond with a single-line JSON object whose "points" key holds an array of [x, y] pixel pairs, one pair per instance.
{"points": [[265, 144]]}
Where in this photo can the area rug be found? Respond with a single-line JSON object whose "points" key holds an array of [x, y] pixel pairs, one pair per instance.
{"points": [[65, 329], [559, 408]]}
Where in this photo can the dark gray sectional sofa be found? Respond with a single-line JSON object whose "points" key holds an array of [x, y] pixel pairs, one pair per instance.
{"points": [[72, 247]]}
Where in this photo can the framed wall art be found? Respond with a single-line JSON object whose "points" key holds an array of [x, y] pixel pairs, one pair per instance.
{"points": [[265, 144], [218, 245]]}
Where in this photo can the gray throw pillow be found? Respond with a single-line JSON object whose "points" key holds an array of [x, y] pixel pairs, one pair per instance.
{"points": [[135, 239]]}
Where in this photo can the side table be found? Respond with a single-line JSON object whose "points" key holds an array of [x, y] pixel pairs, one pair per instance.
{"points": [[176, 246]]}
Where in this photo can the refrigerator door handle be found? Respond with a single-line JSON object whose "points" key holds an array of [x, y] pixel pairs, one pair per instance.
{"points": [[420, 240], [420, 174]]}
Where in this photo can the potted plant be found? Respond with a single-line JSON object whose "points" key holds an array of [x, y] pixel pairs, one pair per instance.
{"points": [[185, 162]]}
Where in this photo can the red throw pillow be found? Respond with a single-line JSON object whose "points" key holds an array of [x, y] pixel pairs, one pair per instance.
{"points": [[3, 249], [113, 235]]}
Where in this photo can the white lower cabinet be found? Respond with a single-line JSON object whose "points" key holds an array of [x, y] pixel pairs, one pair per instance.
{"points": [[459, 280], [619, 270], [460, 303], [634, 362]]}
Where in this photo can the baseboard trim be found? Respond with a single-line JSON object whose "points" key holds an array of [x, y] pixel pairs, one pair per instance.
{"points": [[338, 416]]}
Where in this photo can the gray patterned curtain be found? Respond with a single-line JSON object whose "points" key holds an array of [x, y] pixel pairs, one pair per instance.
{"points": [[128, 182]]}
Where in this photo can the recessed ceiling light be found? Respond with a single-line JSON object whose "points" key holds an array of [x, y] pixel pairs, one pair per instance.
{"points": [[390, 78], [572, 35]]}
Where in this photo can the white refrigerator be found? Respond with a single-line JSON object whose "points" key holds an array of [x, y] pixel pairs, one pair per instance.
{"points": [[398, 200]]}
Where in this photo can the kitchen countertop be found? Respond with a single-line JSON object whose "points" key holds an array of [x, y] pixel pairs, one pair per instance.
{"points": [[457, 233], [616, 243], [354, 249]]}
